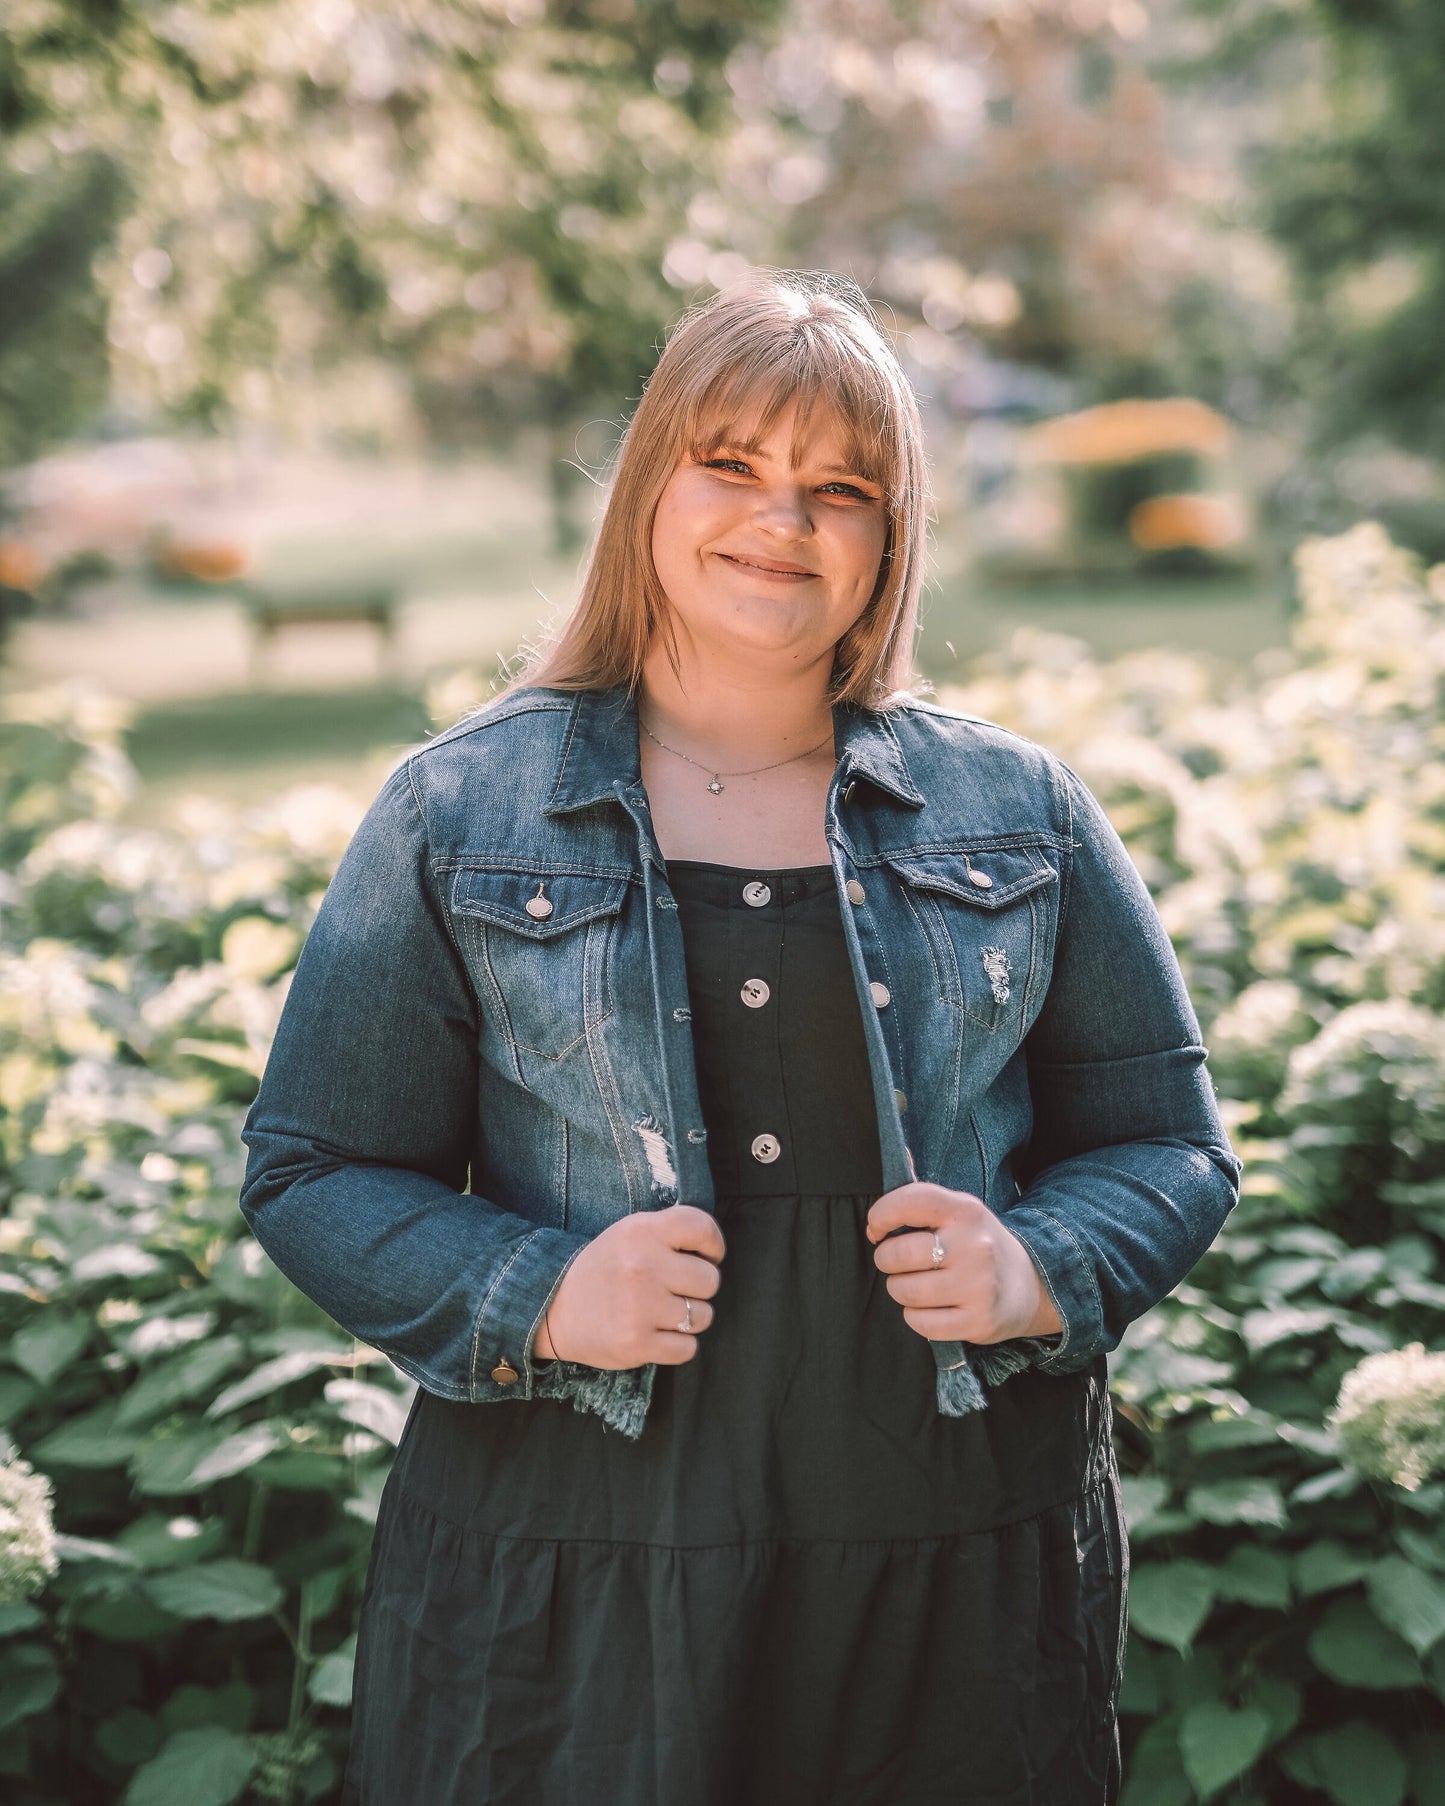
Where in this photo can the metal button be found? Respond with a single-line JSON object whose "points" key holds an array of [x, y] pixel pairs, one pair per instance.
{"points": [[756, 992], [881, 994], [538, 906], [757, 893], [848, 789], [504, 1373], [981, 879], [901, 1099], [766, 1148], [854, 891]]}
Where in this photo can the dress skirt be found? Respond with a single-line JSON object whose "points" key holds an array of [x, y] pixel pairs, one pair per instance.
{"points": [[802, 1585]]}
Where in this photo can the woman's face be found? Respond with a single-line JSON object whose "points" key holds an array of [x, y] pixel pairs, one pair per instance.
{"points": [[758, 557]]}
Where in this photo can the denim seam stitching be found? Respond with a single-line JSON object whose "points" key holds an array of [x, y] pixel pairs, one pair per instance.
{"points": [[526, 1242]]}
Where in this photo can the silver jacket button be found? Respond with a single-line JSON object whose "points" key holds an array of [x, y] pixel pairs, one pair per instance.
{"points": [[981, 879], [766, 1148], [757, 893], [854, 891], [880, 993], [539, 906], [756, 992]]}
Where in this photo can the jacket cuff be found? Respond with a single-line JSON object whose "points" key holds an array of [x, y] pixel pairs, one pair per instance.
{"points": [[1069, 1280], [516, 1301]]}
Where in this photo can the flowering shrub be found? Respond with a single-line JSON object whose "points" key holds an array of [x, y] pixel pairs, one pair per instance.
{"points": [[216, 1447], [1279, 1419]]}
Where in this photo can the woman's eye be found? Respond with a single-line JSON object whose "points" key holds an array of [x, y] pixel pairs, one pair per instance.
{"points": [[851, 489]]}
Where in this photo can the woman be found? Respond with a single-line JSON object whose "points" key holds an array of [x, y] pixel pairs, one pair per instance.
{"points": [[715, 1037]]}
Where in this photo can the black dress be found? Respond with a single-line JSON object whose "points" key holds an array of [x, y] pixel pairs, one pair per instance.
{"points": [[802, 1583]]}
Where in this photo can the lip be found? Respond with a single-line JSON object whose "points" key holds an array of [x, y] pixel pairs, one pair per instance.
{"points": [[773, 567]]}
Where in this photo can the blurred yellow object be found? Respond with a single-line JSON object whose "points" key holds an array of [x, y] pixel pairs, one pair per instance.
{"points": [[21, 565], [1117, 432], [1209, 522]]}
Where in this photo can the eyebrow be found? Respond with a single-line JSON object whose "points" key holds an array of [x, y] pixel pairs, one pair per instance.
{"points": [[754, 446]]}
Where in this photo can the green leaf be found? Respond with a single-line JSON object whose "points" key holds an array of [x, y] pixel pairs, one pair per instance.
{"points": [[128, 1737], [16, 1395], [228, 1590], [373, 1408], [1328, 1564], [233, 1707], [29, 1682], [1409, 1600], [205, 1767], [17, 1615], [163, 1465], [270, 1376], [1219, 1744], [46, 1347], [91, 1440], [1246, 1500], [157, 1541], [1263, 1329], [183, 1376], [1143, 1494], [1168, 1601], [1352, 1646], [236, 1453], [331, 1678], [1155, 1776], [1280, 1701], [1358, 1765], [1256, 1576]]}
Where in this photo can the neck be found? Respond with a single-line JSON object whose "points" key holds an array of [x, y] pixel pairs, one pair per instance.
{"points": [[731, 719]]}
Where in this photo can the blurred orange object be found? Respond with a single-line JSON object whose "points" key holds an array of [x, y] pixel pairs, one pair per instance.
{"points": [[21, 565], [209, 563], [1117, 432], [1209, 522]]}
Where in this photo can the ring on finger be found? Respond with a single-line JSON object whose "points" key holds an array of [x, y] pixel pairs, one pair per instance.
{"points": [[939, 1253], [686, 1323]]}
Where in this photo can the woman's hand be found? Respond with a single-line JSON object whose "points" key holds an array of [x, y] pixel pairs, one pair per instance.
{"points": [[622, 1298], [987, 1287]]}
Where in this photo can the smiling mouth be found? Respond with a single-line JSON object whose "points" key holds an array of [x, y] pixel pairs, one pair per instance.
{"points": [[768, 570]]}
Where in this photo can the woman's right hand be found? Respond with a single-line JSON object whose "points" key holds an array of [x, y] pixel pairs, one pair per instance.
{"points": [[622, 1298]]}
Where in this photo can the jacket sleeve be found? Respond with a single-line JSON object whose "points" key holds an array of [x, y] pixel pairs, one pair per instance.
{"points": [[1129, 1174], [362, 1132]]}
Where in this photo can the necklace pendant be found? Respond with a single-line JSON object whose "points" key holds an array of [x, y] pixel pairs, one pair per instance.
{"points": [[716, 786]]}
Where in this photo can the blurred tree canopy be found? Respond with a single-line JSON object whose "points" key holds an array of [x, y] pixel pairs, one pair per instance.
{"points": [[1351, 183]]}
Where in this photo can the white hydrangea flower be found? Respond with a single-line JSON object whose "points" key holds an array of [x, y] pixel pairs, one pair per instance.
{"points": [[27, 1532], [1390, 1415]]}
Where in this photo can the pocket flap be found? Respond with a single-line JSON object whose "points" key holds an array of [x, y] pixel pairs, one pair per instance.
{"points": [[1013, 871], [501, 896]]}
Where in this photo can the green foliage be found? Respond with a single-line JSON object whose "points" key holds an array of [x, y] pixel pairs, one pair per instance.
{"points": [[1281, 1421], [215, 1445]]}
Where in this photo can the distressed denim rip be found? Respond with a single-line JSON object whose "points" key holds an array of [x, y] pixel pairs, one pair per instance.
{"points": [[463, 1090]]}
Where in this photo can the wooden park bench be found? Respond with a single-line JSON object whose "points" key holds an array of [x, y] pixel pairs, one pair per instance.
{"points": [[271, 606]]}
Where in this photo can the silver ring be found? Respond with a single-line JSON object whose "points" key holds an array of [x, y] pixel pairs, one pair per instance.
{"points": [[686, 1323], [939, 1253]]}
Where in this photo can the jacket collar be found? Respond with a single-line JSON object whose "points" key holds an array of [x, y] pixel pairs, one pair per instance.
{"points": [[600, 750]]}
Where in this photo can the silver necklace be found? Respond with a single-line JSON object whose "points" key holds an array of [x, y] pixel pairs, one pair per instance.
{"points": [[717, 786]]}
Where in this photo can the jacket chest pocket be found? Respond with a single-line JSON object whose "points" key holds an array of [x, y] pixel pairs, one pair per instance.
{"points": [[985, 913], [539, 947]]}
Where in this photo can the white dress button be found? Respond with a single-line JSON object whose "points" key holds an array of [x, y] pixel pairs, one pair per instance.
{"points": [[756, 992], [766, 1148], [881, 994], [854, 891], [757, 893]]}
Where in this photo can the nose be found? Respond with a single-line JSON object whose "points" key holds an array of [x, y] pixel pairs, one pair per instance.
{"points": [[785, 509]]}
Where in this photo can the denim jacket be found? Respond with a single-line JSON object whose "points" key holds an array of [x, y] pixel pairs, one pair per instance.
{"points": [[485, 1056]]}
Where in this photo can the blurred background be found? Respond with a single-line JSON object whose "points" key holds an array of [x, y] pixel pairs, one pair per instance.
{"points": [[319, 323], [323, 308]]}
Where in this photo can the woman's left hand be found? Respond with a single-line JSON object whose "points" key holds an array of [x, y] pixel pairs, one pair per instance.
{"points": [[987, 1287]]}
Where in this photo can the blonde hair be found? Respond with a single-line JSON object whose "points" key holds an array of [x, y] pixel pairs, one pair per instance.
{"points": [[772, 337]]}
